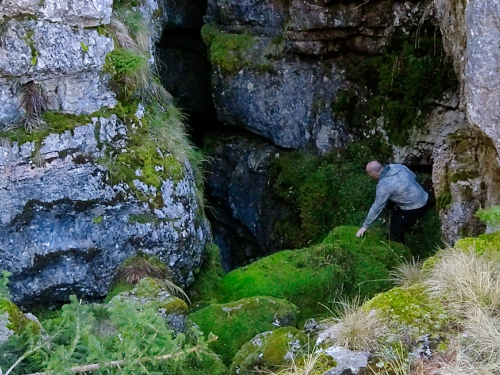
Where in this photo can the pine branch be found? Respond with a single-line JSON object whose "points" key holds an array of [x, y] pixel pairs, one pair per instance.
{"points": [[118, 364]]}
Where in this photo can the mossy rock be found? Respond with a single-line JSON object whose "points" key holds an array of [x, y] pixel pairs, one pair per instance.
{"points": [[150, 292], [269, 350], [12, 320], [484, 243], [208, 280], [413, 308], [238, 322], [341, 265]]}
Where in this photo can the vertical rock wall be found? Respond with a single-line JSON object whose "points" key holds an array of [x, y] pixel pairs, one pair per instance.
{"points": [[81, 196]]}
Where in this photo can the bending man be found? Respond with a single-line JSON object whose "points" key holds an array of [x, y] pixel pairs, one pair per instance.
{"points": [[397, 184]]}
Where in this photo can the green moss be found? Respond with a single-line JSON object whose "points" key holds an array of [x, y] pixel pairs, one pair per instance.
{"points": [[28, 38], [238, 322], [17, 320], [148, 287], [116, 289], [97, 220], [57, 123], [142, 218], [269, 350], [208, 33], [411, 307], [484, 243], [174, 305], [341, 265], [400, 86], [208, 281]]}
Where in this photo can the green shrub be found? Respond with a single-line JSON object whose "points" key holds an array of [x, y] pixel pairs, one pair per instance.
{"points": [[134, 335], [236, 323], [490, 216]]}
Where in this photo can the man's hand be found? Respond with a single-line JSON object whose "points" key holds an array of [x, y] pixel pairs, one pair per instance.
{"points": [[361, 231]]}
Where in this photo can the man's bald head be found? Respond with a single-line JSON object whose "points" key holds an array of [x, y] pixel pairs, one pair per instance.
{"points": [[374, 169]]}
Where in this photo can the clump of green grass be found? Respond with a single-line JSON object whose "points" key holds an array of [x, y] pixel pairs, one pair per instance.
{"points": [[134, 75]]}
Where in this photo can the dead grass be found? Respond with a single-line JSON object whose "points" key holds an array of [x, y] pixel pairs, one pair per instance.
{"points": [[466, 280], [408, 273], [353, 328], [142, 266]]}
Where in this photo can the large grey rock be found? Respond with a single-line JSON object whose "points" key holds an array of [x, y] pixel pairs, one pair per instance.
{"points": [[83, 13], [65, 227], [289, 105], [348, 362], [66, 62]]}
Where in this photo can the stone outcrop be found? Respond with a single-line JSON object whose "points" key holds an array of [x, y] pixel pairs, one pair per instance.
{"points": [[57, 53], [240, 190], [277, 66], [466, 168], [65, 227]]}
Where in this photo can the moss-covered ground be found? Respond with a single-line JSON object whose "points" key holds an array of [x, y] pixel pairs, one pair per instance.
{"points": [[208, 279], [342, 265], [236, 323]]}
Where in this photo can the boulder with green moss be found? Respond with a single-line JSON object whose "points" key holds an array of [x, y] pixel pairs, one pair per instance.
{"points": [[236, 323], [269, 350], [12, 320], [152, 293], [340, 265], [412, 308]]}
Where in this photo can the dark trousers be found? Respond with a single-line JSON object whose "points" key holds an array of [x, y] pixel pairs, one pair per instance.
{"points": [[402, 221]]}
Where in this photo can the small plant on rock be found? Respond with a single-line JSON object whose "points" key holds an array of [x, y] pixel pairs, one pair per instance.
{"points": [[408, 273], [142, 266], [34, 102]]}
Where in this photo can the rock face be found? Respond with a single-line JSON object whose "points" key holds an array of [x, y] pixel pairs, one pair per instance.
{"points": [[55, 52], [274, 71], [245, 211], [467, 170], [65, 227]]}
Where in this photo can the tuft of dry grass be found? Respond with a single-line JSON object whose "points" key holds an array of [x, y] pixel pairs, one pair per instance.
{"points": [[142, 266], [466, 280], [408, 273], [353, 328]]}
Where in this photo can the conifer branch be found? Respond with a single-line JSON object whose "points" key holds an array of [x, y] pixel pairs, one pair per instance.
{"points": [[118, 364]]}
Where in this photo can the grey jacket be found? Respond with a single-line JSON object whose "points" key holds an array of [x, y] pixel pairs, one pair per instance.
{"points": [[396, 183]]}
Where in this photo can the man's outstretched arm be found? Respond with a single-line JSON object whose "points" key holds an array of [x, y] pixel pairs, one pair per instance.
{"points": [[381, 199]]}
